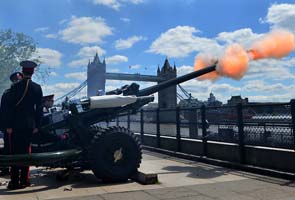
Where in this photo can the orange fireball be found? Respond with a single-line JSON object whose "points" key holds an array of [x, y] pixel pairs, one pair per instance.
{"points": [[276, 44], [202, 61], [234, 62]]}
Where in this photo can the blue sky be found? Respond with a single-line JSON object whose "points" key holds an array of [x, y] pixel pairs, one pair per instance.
{"points": [[141, 33]]}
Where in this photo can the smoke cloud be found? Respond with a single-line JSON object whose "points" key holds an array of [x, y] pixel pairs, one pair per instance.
{"points": [[234, 62]]}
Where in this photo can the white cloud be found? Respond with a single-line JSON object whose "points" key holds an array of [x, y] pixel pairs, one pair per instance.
{"points": [[85, 54], [63, 21], [125, 19], [58, 89], [184, 70], [180, 42], [91, 51], [224, 88], [201, 89], [271, 98], [263, 69], [253, 83], [268, 91], [51, 35], [242, 36], [48, 56], [53, 74], [135, 66], [264, 87], [128, 43], [41, 29], [116, 59], [281, 16], [81, 76], [85, 30], [77, 63], [133, 1], [271, 69], [115, 4]]}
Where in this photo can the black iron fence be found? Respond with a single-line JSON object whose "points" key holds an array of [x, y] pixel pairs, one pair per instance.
{"points": [[268, 125]]}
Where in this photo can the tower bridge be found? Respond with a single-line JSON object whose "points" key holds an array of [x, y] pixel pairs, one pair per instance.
{"points": [[133, 77], [97, 76]]}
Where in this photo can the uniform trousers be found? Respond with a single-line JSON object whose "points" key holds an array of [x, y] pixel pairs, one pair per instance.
{"points": [[5, 151], [20, 144]]}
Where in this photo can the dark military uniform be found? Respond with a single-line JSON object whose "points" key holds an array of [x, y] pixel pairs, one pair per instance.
{"points": [[14, 77], [24, 114], [6, 139]]}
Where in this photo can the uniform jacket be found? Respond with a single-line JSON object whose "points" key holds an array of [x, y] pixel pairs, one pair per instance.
{"points": [[3, 109], [28, 113]]}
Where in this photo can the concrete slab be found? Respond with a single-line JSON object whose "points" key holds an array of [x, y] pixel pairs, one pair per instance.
{"points": [[173, 192], [128, 195], [178, 179]]}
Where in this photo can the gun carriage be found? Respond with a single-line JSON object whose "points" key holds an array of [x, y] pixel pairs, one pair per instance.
{"points": [[71, 138]]}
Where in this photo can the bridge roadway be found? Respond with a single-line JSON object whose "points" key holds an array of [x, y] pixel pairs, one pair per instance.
{"points": [[133, 77], [178, 179]]}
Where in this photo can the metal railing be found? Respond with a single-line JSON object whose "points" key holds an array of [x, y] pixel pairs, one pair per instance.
{"points": [[268, 125]]}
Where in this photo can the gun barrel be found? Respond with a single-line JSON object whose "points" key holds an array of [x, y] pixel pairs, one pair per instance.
{"points": [[175, 81], [39, 159]]}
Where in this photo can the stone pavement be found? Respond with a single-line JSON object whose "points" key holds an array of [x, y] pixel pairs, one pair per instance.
{"points": [[178, 179]]}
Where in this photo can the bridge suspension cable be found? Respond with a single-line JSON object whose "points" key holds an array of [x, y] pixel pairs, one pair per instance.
{"points": [[187, 99], [186, 93], [76, 90], [73, 92]]}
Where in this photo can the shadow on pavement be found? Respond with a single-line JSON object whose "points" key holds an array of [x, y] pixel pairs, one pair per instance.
{"points": [[43, 179], [198, 171]]}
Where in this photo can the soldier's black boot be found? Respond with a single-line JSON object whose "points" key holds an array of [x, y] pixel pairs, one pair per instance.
{"points": [[24, 177], [25, 184], [12, 185], [14, 176]]}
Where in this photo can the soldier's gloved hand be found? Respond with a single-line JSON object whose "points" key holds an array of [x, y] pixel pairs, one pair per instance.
{"points": [[35, 130], [9, 130]]}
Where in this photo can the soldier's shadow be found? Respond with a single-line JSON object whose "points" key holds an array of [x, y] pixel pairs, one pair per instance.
{"points": [[40, 181], [200, 171], [43, 180], [88, 180]]}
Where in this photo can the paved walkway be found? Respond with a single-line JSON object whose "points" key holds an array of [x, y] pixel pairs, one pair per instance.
{"points": [[179, 179]]}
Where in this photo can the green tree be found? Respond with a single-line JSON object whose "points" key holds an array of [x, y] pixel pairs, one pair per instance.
{"points": [[14, 47]]}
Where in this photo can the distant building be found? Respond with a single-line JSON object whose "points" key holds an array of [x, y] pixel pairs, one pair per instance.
{"points": [[234, 100], [212, 101], [96, 78], [190, 103], [193, 102], [211, 98]]}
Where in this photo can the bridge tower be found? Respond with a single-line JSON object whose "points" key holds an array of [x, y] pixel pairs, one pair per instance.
{"points": [[167, 98], [96, 76]]}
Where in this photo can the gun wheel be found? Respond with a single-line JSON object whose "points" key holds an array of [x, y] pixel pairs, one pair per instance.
{"points": [[115, 154]]}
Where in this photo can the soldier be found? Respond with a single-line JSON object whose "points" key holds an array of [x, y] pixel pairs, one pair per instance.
{"points": [[14, 78], [47, 102], [23, 120]]}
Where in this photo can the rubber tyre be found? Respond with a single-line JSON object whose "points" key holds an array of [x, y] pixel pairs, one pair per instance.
{"points": [[95, 129], [103, 150]]}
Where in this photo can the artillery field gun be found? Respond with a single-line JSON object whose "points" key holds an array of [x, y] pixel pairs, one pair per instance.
{"points": [[75, 141]]}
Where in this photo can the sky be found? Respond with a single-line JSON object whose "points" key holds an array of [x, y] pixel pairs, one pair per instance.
{"points": [[135, 36]]}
